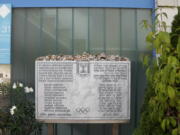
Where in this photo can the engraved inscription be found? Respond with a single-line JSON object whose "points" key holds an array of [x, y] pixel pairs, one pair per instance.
{"points": [[83, 90]]}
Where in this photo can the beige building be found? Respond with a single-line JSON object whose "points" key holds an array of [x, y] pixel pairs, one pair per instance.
{"points": [[169, 7], [4, 73]]}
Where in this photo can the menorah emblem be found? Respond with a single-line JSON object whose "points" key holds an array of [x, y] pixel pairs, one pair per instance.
{"points": [[83, 68]]}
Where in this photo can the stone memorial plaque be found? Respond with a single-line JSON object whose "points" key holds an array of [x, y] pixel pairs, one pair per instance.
{"points": [[83, 91]]}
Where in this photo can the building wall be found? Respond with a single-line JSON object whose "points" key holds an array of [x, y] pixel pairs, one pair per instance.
{"points": [[5, 73], [169, 7], [43, 31]]}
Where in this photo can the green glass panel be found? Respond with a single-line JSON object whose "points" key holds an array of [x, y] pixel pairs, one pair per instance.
{"points": [[18, 48], [64, 129], [80, 129], [129, 49], [96, 129], [43, 31], [128, 27], [80, 31], [142, 14], [48, 31], [64, 28], [32, 42], [112, 31], [96, 30]]}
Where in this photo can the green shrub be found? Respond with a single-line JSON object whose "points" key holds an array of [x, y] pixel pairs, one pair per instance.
{"points": [[175, 31], [19, 119], [161, 110]]}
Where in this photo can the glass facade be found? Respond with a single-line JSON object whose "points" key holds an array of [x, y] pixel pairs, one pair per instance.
{"points": [[44, 31]]}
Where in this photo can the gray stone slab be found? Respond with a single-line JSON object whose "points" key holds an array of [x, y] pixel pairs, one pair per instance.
{"points": [[83, 91]]}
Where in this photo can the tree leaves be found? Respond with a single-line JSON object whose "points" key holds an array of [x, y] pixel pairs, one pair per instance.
{"points": [[175, 131], [164, 37], [163, 124], [145, 24], [171, 92], [149, 37], [146, 60], [161, 112], [172, 60], [173, 121], [178, 48]]}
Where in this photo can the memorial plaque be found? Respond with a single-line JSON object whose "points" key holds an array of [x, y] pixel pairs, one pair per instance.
{"points": [[83, 91]]}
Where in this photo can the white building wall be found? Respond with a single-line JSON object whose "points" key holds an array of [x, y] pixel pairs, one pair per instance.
{"points": [[169, 7], [169, 3], [5, 73]]}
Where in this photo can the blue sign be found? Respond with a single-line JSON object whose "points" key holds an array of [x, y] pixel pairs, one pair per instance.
{"points": [[5, 33], [82, 3]]}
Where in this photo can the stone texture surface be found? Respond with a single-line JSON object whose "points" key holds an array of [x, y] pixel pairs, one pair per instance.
{"points": [[84, 90], [84, 57]]}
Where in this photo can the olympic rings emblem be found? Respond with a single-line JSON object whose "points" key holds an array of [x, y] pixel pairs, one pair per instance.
{"points": [[82, 110]]}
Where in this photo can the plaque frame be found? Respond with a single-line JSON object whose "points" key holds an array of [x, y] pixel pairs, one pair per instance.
{"points": [[59, 120]]}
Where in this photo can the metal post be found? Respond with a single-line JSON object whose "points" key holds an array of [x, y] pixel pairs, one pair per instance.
{"points": [[115, 129], [50, 129]]}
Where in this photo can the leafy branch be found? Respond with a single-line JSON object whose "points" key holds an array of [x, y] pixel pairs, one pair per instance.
{"points": [[161, 110]]}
